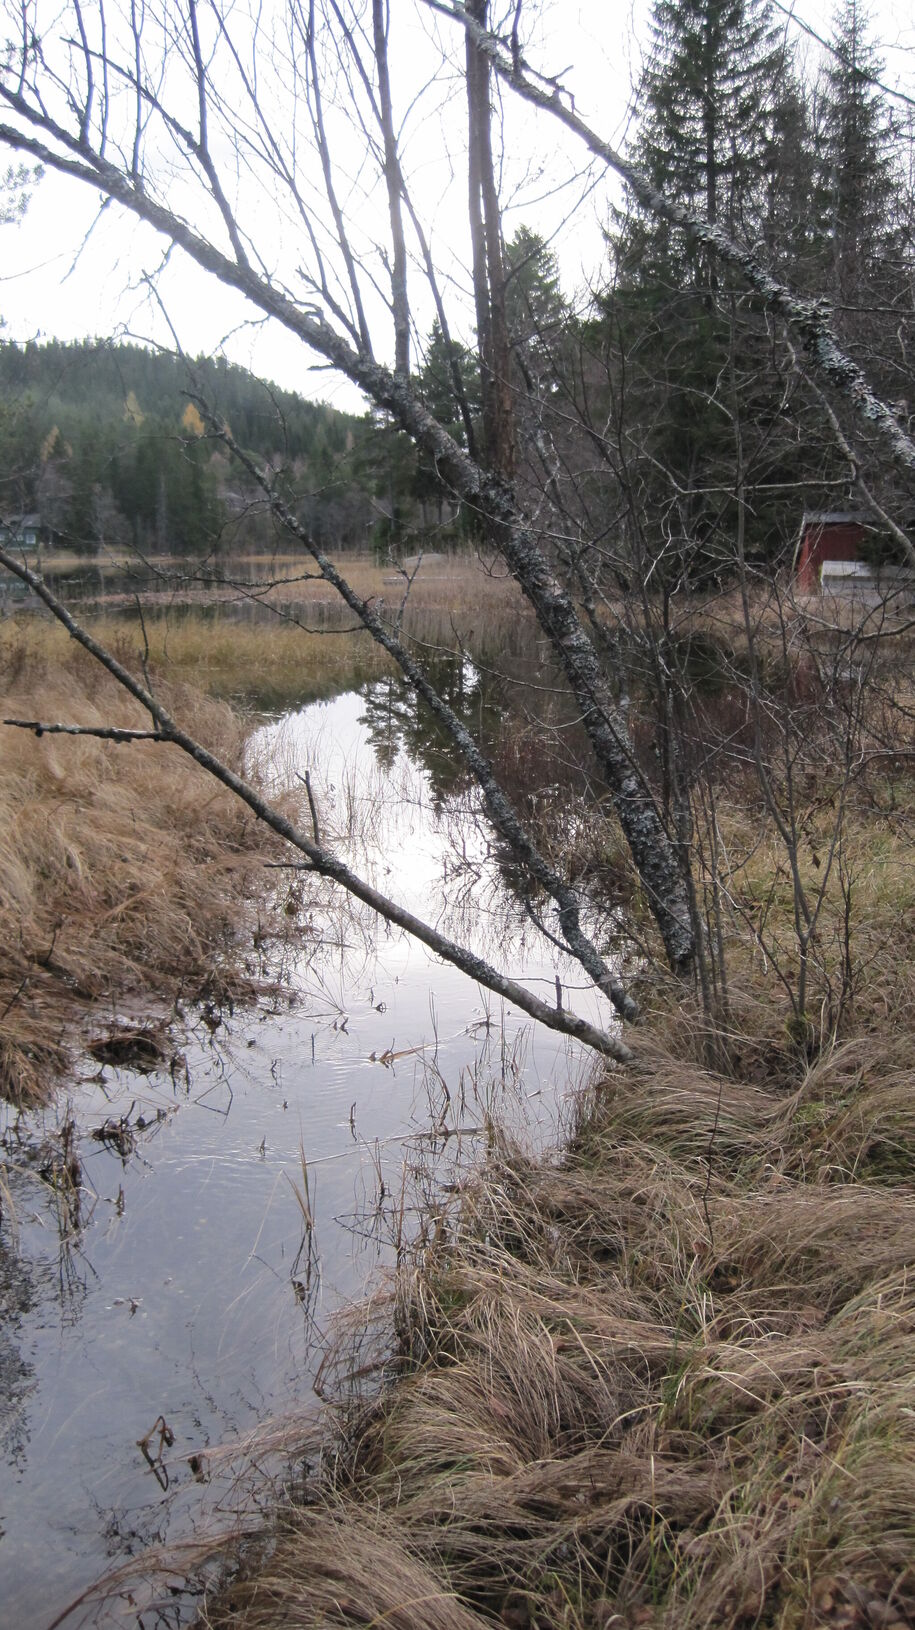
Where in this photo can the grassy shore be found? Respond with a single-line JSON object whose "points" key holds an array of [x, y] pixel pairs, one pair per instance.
{"points": [[666, 1380], [128, 878], [270, 664], [665, 1376]]}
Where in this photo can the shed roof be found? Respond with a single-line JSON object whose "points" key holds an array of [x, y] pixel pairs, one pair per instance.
{"points": [[20, 522], [834, 517]]}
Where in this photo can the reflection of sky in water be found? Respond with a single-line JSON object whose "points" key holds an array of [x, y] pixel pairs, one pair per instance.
{"points": [[180, 1294]]}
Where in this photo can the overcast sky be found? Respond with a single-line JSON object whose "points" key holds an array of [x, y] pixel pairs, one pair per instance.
{"points": [[52, 282]]}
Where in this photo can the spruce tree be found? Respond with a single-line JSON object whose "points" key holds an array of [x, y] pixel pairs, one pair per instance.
{"points": [[699, 402], [710, 90], [446, 366], [858, 186], [865, 259], [535, 310]]}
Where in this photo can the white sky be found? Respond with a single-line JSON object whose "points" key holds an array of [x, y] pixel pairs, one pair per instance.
{"points": [[50, 285]]}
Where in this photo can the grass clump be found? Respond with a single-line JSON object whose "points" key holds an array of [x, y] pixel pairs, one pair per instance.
{"points": [[669, 1381], [126, 873]]}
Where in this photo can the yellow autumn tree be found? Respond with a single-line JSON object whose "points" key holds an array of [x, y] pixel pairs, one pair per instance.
{"points": [[50, 445], [133, 413], [192, 422]]}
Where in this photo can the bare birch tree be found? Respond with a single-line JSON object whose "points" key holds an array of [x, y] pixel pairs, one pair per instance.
{"points": [[198, 118]]}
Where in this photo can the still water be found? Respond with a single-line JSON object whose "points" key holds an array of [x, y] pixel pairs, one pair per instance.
{"points": [[169, 1275]]}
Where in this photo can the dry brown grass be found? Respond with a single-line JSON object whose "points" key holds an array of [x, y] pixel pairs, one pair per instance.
{"points": [[451, 582], [669, 1381], [227, 643], [126, 874], [270, 664]]}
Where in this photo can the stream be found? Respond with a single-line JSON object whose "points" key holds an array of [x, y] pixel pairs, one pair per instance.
{"points": [[175, 1244]]}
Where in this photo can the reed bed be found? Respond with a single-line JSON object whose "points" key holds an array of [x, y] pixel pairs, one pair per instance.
{"points": [[298, 643], [267, 663], [459, 581], [128, 878]]}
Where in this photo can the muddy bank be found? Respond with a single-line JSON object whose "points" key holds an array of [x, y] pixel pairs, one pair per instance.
{"points": [[129, 880]]}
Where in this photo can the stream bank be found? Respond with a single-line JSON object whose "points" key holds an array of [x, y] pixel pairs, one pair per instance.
{"points": [[178, 1238], [627, 1389], [129, 880]]}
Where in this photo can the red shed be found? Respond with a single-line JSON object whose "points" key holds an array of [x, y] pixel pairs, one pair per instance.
{"points": [[834, 535]]}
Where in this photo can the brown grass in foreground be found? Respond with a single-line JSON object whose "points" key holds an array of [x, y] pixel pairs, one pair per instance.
{"points": [[125, 872], [668, 1377], [669, 1381]]}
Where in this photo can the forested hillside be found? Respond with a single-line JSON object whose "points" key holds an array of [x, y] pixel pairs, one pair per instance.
{"points": [[104, 444], [660, 411]]}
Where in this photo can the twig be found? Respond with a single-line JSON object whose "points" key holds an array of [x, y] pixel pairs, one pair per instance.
{"points": [[306, 779], [709, 1154], [101, 732]]}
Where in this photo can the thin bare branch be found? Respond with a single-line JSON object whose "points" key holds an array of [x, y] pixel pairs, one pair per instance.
{"points": [[322, 861], [400, 305]]}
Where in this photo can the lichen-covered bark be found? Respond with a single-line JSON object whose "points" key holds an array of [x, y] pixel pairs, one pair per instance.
{"points": [[808, 319], [639, 818]]}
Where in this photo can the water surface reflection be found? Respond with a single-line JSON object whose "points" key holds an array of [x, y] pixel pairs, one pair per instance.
{"points": [[168, 1285]]}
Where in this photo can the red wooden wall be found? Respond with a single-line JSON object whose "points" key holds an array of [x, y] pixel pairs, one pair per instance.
{"points": [[826, 540]]}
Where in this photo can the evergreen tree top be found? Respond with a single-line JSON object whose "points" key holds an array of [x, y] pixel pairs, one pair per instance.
{"points": [[709, 90]]}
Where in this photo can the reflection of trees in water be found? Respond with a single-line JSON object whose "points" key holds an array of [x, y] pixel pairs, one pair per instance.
{"points": [[398, 721], [527, 725], [43, 1183], [530, 730]]}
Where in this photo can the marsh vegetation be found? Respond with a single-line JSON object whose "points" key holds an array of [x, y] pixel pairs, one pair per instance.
{"points": [[615, 767], [630, 1380], [663, 1376]]}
